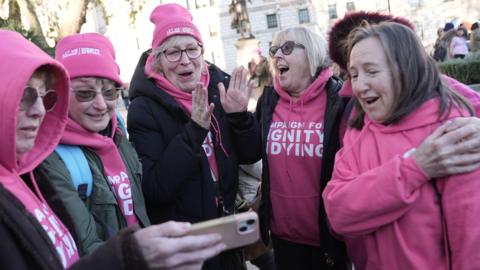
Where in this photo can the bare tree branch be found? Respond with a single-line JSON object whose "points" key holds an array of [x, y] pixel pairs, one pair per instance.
{"points": [[28, 11], [74, 18]]}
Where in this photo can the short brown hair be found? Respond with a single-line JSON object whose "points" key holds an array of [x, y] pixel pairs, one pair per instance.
{"points": [[415, 75]]}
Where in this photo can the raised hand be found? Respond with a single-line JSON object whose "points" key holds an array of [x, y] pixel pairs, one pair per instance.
{"points": [[165, 246], [239, 91], [201, 110], [452, 148]]}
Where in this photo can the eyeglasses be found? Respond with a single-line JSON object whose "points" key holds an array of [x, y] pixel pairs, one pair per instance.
{"points": [[30, 96], [174, 54], [86, 95], [287, 48]]}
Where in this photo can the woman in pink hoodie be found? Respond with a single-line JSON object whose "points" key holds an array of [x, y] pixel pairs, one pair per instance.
{"points": [[33, 107], [393, 210]]}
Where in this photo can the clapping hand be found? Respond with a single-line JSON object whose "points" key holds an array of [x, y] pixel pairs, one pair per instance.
{"points": [[201, 110], [239, 91]]}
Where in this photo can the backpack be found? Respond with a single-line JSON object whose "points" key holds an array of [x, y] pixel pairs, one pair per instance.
{"points": [[77, 164]]}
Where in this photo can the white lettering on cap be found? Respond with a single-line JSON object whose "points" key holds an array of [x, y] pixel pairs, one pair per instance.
{"points": [[180, 30], [81, 51]]}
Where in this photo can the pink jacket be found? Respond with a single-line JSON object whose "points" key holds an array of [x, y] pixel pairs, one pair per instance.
{"points": [[294, 152], [458, 46], [386, 207]]}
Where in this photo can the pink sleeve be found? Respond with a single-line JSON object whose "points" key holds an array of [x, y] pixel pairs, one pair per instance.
{"points": [[472, 95], [461, 202], [358, 203]]}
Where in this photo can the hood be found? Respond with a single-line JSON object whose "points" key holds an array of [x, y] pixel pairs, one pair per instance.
{"points": [[20, 58], [338, 35], [312, 91]]}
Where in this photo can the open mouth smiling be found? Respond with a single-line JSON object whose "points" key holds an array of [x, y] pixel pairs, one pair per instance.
{"points": [[283, 69], [370, 100], [186, 74]]}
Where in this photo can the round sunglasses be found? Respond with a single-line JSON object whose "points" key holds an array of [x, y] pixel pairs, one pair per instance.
{"points": [[287, 48], [86, 95], [30, 96]]}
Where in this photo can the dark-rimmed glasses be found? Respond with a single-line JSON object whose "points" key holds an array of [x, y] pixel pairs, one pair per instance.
{"points": [[175, 54], [86, 95], [31, 94], [287, 48]]}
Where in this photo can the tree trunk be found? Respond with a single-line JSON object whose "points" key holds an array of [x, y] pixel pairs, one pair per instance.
{"points": [[75, 18], [28, 11]]}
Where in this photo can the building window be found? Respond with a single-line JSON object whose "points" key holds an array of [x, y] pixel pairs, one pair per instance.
{"points": [[303, 15], [351, 6], [332, 11], [272, 21]]}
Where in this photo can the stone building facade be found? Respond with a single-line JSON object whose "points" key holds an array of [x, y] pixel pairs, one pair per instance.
{"points": [[266, 17]]}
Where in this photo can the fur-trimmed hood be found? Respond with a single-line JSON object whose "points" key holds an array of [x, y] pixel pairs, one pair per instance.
{"points": [[337, 37]]}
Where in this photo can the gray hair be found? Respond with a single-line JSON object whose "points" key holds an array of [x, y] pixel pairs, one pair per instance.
{"points": [[315, 46]]}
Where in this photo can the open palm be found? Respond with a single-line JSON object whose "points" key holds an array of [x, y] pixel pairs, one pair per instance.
{"points": [[235, 99]]}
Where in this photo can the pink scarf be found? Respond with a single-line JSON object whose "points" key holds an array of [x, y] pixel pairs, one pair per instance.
{"points": [[185, 99], [37, 206], [113, 165]]}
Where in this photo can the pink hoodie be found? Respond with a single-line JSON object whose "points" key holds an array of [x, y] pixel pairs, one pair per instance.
{"points": [[294, 152], [386, 207], [19, 59]]}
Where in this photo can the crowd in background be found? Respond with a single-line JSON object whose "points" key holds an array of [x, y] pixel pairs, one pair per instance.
{"points": [[456, 43]]}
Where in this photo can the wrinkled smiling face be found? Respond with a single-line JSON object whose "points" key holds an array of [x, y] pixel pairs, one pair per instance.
{"points": [[30, 118], [292, 69], [93, 115], [371, 78], [186, 72]]}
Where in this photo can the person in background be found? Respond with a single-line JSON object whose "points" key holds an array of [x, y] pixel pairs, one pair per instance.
{"points": [[440, 48], [92, 126], [260, 75], [34, 107], [475, 38], [383, 183], [181, 132], [458, 46]]}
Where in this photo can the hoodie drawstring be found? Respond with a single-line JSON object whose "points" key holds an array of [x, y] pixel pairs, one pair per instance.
{"points": [[218, 134]]}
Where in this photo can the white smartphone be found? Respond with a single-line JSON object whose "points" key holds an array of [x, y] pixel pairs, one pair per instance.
{"points": [[236, 230]]}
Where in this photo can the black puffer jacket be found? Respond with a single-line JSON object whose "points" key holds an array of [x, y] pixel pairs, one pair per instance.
{"points": [[177, 181]]}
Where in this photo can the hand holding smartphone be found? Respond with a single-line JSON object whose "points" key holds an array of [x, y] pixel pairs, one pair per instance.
{"points": [[236, 230]]}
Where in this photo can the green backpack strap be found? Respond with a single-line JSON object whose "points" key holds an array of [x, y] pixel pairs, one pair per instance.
{"points": [[77, 166]]}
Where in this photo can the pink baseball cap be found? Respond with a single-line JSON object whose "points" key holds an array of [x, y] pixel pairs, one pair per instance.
{"points": [[88, 55], [171, 20]]}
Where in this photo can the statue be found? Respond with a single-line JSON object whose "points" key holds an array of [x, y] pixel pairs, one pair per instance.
{"points": [[240, 20]]}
